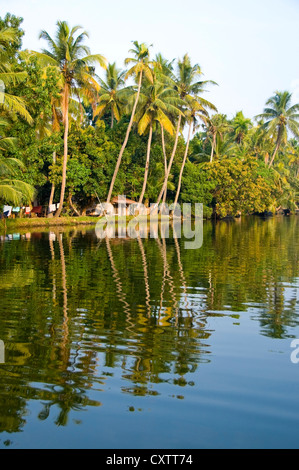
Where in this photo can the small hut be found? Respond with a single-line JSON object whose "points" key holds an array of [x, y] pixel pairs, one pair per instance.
{"points": [[124, 206]]}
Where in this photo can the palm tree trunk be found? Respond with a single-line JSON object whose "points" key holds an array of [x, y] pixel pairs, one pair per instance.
{"points": [[72, 205], [275, 152], [163, 148], [149, 143], [213, 148], [182, 167], [163, 191], [53, 184], [112, 119], [125, 141], [65, 151]]}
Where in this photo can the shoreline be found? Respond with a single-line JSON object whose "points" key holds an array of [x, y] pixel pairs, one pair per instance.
{"points": [[22, 224], [43, 222]]}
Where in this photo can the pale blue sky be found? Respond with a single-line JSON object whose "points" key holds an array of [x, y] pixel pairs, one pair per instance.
{"points": [[251, 49]]}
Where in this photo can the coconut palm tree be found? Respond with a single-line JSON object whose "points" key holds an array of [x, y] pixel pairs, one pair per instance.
{"points": [[186, 84], [216, 128], [195, 111], [112, 95], [280, 118], [74, 62], [8, 102], [241, 126], [12, 190], [141, 67], [156, 103]]}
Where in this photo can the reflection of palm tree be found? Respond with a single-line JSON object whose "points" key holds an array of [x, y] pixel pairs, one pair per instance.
{"points": [[166, 275], [53, 259], [64, 289], [182, 275], [120, 293], [145, 270]]}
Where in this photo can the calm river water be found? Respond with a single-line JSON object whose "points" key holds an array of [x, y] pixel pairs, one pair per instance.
{"points": [[142, 344]]}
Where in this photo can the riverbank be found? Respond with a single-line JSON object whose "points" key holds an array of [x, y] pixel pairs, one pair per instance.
{"points": [[8, 225], [22, 224]]}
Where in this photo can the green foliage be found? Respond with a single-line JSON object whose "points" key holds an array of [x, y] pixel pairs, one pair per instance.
{"points": [[228, 165]]}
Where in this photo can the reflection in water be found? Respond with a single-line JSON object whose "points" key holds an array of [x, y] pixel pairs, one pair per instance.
{"points": [[117, 278], [77, 314], [64, 290], [144, 264]]}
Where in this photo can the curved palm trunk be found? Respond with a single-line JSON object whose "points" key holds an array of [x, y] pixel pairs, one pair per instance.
{"points": [[125, 141], [163, 191], [149, 143], [163, 148], [145, 270], [182, 167], [72, 205], [65, 151], [275, 152], [213, 147], [53, 184]]}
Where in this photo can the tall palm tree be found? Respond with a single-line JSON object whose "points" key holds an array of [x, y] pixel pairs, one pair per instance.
{"points": [[280, 118], [163, 68], [195, 110], [186, 84], [156, 102], [112, 94], [140, 68], [74, 62]]}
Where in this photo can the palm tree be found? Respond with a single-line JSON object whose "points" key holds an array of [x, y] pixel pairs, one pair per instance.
{"points": [[164, 69], [280, 118], [217, 126], [140, 68], [13, 191], [156, 102], [241, 126], [112, 94], [195, 110], [10, 103], [74, 62], [186, 85]]}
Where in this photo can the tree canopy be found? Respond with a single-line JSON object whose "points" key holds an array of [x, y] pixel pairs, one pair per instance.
{"points": [[71, 136]]}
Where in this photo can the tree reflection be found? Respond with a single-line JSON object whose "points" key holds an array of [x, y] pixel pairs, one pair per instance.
{"points": [[72, 307]]}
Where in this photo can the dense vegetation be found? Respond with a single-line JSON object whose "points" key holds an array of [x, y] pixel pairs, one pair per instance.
{"points": [[71, 137]]}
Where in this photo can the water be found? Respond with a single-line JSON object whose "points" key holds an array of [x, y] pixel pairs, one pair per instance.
{"points": [[142, 344]]}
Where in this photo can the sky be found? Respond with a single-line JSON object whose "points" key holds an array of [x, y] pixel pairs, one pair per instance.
{"points": [[250, 48]]}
